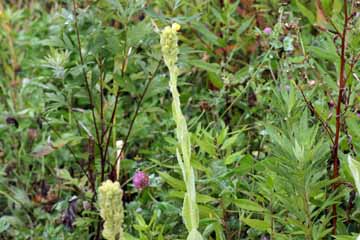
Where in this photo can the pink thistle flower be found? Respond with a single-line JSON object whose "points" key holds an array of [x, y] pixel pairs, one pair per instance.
{"points": [[140, 180], [267, 30]]}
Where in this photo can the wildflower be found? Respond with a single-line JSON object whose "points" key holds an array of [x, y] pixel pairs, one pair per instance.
{"points": [[141, 180], [111, 209], [267, 30], [190, 210]]}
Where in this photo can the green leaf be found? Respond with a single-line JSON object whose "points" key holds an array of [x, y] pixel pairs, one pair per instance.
{"points": [[248, 205], [194, 235], [215, 80], [323, 53], [247, 163], [337, 7], [200, 198], [127, 236], [3, 225], [306, 12], [209, 67], [175, 183], [260, 225], [8, 221], [235, 157], [229, 142], [190, 213], [220, 139], [355, 171], [207, 35], [206, 145], [138, 32], [346, 237], [245, 25]]}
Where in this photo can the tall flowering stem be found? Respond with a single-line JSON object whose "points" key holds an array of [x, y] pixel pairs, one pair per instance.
{"points": [[190, 211]]}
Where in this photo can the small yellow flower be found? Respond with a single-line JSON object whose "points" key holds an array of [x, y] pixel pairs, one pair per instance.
{"points": [[176, 26]]}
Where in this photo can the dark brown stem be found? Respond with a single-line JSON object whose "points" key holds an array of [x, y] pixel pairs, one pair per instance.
{"points": [[98, 229], [136, 114], [113, 114], [99, 144], [316, 114], [342, 84], [91, 164], [102, 116], [102, 119]]}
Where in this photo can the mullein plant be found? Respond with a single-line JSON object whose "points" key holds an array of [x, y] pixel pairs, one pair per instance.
{"points": [[111, 210], [190, 211]]}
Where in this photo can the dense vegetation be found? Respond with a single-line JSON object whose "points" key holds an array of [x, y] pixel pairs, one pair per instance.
{"points": [[261, 143]]}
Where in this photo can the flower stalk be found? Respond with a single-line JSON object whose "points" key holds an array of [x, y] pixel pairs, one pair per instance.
{"points": [[190, 211]]}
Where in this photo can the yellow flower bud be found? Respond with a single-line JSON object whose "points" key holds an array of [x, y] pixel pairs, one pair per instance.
{"points": [[169, 45], [176, 26]]}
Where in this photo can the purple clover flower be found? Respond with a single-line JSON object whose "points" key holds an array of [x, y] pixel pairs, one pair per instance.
{"points": [[267, 30], [140, 180]]}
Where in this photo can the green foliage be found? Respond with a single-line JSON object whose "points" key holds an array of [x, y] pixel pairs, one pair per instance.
{"points": [[258, 107]]}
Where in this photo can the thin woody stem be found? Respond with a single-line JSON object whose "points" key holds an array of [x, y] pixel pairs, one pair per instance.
{"points": [[342, 85], [136, 113], [313, 110]]}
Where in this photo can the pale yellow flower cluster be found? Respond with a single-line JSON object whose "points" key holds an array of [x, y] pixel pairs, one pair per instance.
{"points": [[111, 209], [169, 45]]}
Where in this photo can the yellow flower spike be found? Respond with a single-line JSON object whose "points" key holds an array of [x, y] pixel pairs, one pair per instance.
{"points": [[111, 209], [169, 45]]}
